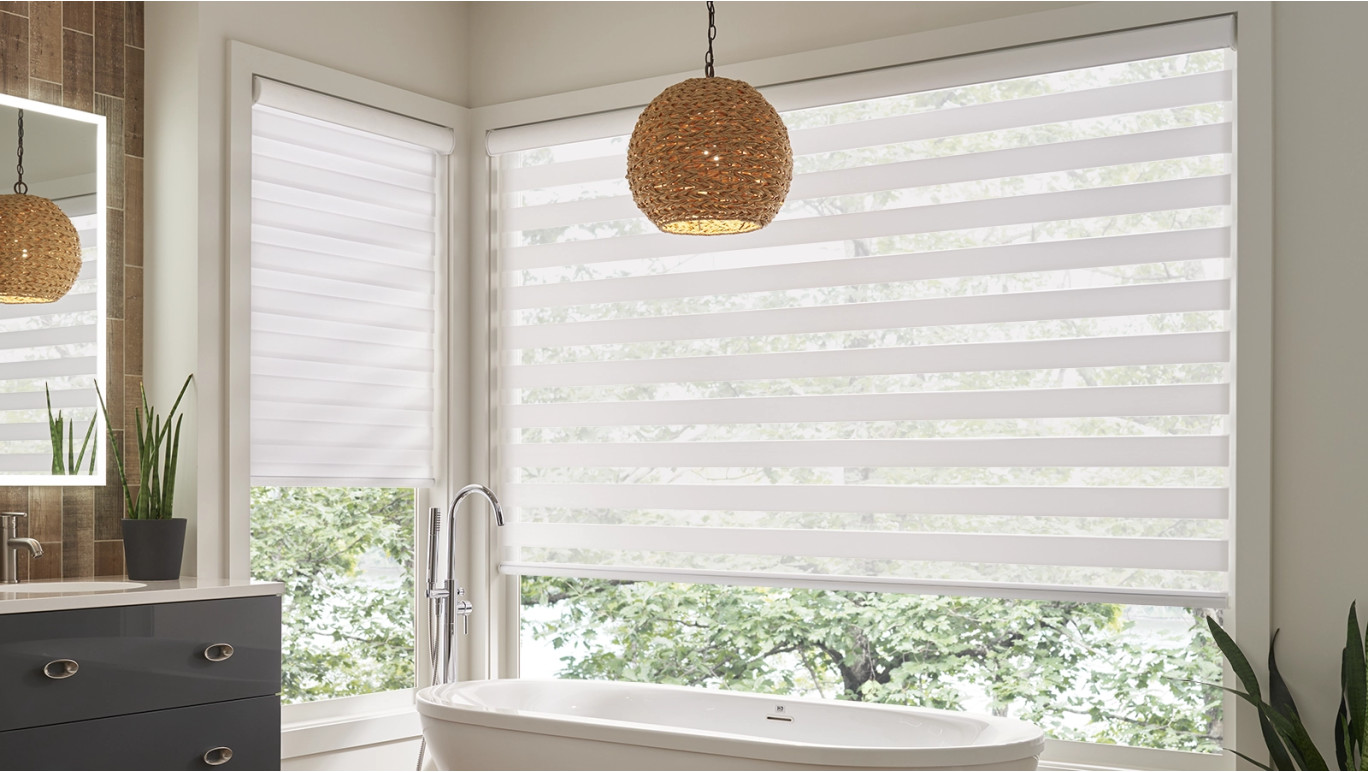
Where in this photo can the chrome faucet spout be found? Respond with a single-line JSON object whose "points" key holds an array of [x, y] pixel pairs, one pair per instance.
{"points": [[483, 491], [10, 542], [35, 549]]}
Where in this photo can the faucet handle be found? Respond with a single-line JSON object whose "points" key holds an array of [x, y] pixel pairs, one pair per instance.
{"points": [[13, 514]]}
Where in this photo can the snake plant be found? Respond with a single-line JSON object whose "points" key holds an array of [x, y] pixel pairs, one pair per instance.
{"points": [[71, 463], [158, 449], [1289, 744]]}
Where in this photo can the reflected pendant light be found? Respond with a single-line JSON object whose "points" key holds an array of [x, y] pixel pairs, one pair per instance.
{"points": [[40, 253], [709, 156]]}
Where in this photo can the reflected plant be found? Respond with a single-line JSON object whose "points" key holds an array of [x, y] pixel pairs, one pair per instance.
{"points": [[71, 462]]}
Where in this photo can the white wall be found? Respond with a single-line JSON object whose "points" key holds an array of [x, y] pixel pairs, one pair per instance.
{"points": [[1320, 375], [583, 44]]}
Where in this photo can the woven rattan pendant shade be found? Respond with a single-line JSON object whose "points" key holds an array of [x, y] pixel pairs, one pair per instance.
{"points": [[709, 156], [40, 253]]}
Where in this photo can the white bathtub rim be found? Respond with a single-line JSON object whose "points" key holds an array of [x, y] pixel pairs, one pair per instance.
{"points": [[433, 709]]}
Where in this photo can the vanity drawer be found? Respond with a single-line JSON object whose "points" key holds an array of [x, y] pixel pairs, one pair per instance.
{"points": [[132, 659], [163, 739]]}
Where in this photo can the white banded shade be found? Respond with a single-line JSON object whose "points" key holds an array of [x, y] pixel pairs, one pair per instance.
{"points": [[984, 349], [346, 233], [57, 345]]}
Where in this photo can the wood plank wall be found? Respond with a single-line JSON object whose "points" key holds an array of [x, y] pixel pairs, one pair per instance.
{"points": [[88, 56]]}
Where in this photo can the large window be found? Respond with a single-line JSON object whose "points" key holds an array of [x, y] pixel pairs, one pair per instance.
{"points": [[953, 431], [347, 233]]}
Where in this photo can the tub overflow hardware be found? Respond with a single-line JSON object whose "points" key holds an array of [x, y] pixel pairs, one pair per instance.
{"points": [[778, 715]]}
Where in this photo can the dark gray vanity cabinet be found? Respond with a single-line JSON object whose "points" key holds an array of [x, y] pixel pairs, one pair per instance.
{"points": [[188, 685]]}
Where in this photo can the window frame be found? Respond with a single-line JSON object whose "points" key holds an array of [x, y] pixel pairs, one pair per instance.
{"points": [[223, 540], [1248, 615]]}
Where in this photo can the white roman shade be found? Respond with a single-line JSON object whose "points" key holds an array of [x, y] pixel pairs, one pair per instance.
{"points": [[346, 234], [984, 349], [59, 345]]}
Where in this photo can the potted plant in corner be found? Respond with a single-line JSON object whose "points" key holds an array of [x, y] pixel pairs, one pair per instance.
{"points": [[1288, 741], [153, 540]]}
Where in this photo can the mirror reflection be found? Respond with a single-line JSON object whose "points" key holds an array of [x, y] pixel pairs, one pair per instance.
{"points": [[54, 353]]}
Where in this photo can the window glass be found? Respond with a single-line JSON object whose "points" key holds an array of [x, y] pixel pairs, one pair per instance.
{"points": [[346, 557], [1095, 672]]}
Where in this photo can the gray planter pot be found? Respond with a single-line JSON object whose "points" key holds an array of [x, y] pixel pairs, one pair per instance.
{"points": [[153, 548]]}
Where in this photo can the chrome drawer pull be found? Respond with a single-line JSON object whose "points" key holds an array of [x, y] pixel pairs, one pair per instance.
{"points": [[218, 756], [61, 668], [218, 652]]}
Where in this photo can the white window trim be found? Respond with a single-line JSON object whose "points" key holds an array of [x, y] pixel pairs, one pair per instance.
{"points": [[223, 544], [1250, 541]]}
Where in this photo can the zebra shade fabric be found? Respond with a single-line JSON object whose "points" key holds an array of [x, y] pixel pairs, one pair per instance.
{"points": [[984, 348], [346, 233]]}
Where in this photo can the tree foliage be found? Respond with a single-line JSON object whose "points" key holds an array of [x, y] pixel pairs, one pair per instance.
{"points": [[346, 557], [1078, 670]]}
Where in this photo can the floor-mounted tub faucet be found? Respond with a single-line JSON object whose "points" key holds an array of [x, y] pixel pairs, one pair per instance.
{"points": [[448, 599], [10, 544], [441, 620]]}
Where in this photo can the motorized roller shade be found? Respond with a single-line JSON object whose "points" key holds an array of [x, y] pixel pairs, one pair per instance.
{"points": [[346, 232], [984, 349], [56, 345]]}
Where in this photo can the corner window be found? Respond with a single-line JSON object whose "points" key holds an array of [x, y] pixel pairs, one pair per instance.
{"points": [[953, 431]]}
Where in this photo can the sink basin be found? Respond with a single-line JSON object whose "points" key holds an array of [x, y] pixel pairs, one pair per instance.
{"points": [[35, 588]]}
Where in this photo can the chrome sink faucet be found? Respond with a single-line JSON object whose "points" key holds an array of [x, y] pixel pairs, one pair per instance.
{"points": [[10, 544]]}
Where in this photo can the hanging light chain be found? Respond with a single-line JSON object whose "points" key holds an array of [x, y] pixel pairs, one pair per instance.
{"points": [[712, 35], [21, 187]]}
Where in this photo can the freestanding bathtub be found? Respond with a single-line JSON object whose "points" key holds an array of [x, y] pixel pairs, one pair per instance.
{"points": [[551, 724]]}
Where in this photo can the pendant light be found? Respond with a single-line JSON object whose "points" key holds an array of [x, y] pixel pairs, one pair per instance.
{"points": [[709, 156], [40, 253]]}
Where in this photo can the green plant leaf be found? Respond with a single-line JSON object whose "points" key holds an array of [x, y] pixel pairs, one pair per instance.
{"points": [[1342, 738], [118, 455], [1238, 663], [1299, 743], [55, 432], [1354, 676], [1279, 754], [90, 432], [1256, 763], [172, 454], [1279, 696]]}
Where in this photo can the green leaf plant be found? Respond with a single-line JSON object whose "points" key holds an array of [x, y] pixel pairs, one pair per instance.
{"points": [[158, 449], [71, 464], [1289, 744]]}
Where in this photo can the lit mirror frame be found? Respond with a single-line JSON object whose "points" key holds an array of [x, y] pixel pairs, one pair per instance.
{"points": [[7, 179]]}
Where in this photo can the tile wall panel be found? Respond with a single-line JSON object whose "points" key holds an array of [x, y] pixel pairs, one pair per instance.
{"points": [[88, 56]]}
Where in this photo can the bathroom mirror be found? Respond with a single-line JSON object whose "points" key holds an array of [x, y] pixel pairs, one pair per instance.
{"points": [[59, 346]]}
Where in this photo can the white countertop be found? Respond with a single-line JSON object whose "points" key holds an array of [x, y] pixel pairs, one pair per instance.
{"points": [[47, 595]]}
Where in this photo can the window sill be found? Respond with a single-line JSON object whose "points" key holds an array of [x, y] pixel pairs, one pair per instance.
{"points": [[350, 722], [1062, 755]]}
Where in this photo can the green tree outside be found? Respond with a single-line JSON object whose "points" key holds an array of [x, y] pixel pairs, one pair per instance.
{"points": [[346, 557], [1077, 670]]}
